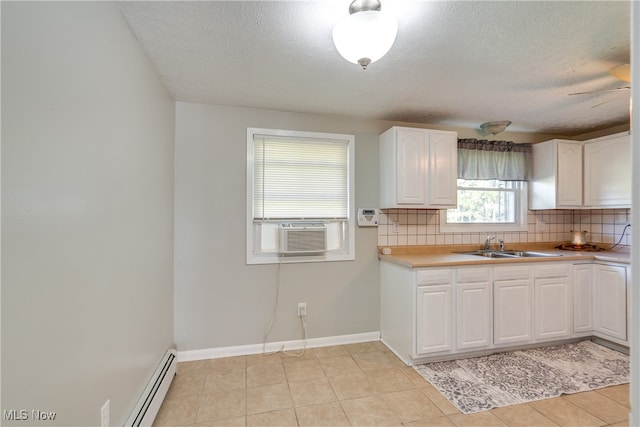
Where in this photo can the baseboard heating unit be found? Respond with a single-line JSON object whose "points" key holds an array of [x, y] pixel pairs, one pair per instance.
{"points": [[149, 403]]}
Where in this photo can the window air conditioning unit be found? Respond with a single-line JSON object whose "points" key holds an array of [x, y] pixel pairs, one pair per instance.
{"points": [[303, 238]]}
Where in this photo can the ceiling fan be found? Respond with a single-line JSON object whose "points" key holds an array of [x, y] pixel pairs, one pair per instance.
{"points": [[620, 72]]}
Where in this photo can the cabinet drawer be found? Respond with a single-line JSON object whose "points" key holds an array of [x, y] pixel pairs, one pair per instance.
{"points": [[433, 277], [473, 275], [511, 273], [552, 269]]}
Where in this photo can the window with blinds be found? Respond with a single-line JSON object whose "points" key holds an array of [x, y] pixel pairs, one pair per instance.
{"points": [[298, 177]]}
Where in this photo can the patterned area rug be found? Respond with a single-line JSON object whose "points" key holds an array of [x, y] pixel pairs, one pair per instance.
{"points": [[481, 383]]}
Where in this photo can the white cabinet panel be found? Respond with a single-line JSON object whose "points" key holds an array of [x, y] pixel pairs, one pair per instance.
{"points": [[552, 313], [569, 184], [583, 298], [610, 301], [434, 276], [474, 310], [443, 169], [434, 319], [607, 172], [512, 311], [411, 166], [473, 315]]}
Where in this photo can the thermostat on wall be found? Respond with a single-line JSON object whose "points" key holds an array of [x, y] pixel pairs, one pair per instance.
{"points": [[367, 217]]}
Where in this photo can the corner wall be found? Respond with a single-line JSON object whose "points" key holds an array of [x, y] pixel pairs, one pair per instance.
{"points": [[87, 213]]}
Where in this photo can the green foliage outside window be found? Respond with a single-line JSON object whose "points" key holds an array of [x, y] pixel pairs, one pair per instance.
{"points": [[484, 201]]}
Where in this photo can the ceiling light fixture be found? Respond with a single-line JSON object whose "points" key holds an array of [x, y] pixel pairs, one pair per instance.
{"points": [[622, 72], [495, 128], [366, 35]]}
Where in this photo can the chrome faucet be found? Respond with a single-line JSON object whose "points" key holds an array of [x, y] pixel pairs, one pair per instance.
{"points": [[501, 245], [487, 242]]}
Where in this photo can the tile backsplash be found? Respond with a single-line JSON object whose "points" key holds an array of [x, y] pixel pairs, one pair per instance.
{"points": [[604, 228]]}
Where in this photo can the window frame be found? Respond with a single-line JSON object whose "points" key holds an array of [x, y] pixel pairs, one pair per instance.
{"points": [[520, 224], [252, 228]]}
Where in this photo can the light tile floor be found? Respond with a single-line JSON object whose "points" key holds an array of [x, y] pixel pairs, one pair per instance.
{"points": [[353, 385]]}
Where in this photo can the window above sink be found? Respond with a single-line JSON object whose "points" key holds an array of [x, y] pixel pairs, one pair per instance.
{"points": [[487, 206]]}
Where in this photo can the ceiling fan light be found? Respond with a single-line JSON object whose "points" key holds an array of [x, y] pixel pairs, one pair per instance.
{"points": [[365, 37]]}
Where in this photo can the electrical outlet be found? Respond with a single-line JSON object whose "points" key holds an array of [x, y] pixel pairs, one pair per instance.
{"points": [[302, 309], [105, 414], [395, 226]]}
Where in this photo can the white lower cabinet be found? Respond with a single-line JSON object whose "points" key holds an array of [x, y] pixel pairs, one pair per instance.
{"points": [[441, 312], [553, 302], [600, 301], [473, 308], [434, 319], [610, 301], [512, 304], [434, 311], [583, 299], [512, 311], [551, 314]]}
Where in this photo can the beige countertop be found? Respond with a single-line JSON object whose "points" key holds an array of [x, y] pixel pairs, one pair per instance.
{"points": [[446, 256]]}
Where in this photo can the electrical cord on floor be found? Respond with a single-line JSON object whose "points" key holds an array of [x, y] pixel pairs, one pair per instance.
{"points": [[303, 324], [621, 236]]}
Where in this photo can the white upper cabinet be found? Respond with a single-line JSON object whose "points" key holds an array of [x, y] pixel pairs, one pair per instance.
{"points": [[582, 174], [557, 175], [607, 167], [418, 168]]}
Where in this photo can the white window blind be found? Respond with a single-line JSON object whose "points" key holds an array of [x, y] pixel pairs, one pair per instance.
{"points": [[300, 178]]}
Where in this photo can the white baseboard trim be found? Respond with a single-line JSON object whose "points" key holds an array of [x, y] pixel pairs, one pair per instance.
{"points": [[243, 350]]}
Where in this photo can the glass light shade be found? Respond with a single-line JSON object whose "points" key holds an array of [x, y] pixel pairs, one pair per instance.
{"points": [[495, 128], [367, 34], [622, 72]]}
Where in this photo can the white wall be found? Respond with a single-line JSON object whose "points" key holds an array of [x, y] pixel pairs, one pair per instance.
{"points": [[87, 212], [219, 300]]}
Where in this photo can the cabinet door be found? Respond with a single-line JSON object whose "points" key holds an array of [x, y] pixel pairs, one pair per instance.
{"points": [[434, 319], [552, 308], [610, 300], [411, 167], [607, 174], [473, 315], [582, 298], [443, 169], [512, 311], [569, 175]]}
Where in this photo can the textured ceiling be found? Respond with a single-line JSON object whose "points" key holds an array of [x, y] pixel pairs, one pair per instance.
{"points": [[457, 63]]}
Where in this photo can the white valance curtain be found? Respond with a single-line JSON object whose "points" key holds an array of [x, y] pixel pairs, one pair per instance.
{"points": [[503, 160]]}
